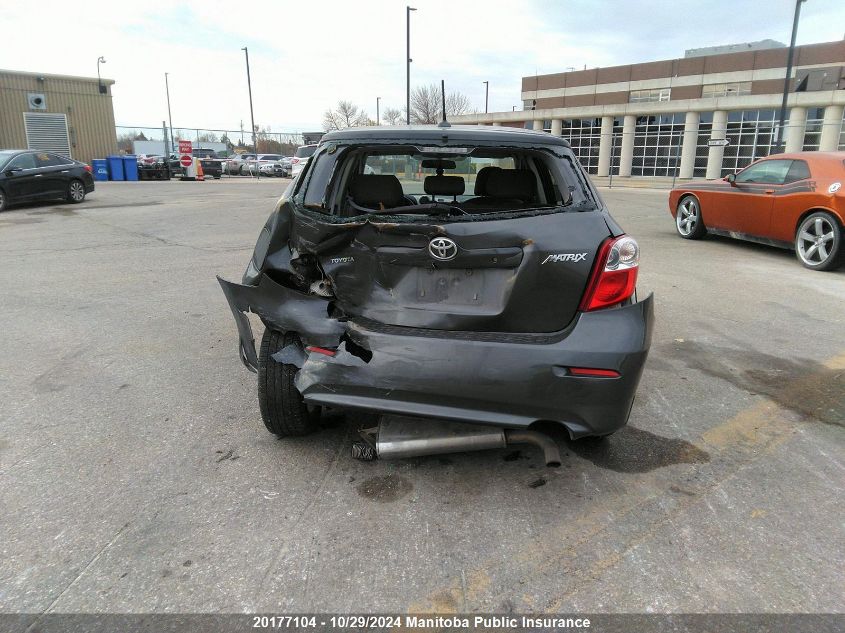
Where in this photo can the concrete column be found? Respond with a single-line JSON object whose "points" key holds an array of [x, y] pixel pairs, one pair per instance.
{"points": [[716, 152], [538, 124], [557, 127], [497, 124], [795, 129], [831, 126], [605, 145], [687, 166], [626, 156]]}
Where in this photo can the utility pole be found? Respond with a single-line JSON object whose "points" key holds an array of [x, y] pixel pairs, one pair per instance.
{"points": [[486, 94], [169, 117], [408, 65], [251, 115], [378, 120], [788, 78]]}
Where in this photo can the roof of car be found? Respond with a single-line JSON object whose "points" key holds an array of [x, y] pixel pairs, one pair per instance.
{"points": [[811, 155], [459, 133]]}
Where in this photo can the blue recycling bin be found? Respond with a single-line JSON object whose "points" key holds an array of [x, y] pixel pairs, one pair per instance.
{"points": [[115, 167], [130, 167], [100, 167]]}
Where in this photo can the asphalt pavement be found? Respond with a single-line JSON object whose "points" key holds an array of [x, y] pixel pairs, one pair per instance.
{"points": [[136, 474]]}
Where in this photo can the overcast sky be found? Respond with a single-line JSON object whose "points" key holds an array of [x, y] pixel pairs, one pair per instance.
{"points": [[307, 54]]}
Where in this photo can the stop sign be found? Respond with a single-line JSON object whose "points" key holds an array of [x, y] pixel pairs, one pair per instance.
{"points": [[186, 161]]}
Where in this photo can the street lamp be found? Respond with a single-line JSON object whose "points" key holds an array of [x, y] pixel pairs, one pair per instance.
{"points": [[169, 116], [100, 60], [251, 115], [377, 114], [486, 94], [408, 65], [788, 77]]}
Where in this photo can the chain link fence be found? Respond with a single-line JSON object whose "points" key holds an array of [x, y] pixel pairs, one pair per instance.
{"points": [[223, 141]]}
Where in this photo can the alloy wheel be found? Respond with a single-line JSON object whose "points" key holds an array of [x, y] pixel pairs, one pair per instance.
{"points": [[77, 192], [687, 217], [815, 240]]}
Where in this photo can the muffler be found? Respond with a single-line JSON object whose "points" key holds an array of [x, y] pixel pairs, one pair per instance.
{"points": [[400, 436]]}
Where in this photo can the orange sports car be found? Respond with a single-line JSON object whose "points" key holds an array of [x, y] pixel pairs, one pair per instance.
{"points": [[787, 200]]}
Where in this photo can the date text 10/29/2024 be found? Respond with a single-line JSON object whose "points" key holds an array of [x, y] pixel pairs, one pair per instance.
{"points": [[418, 622]]}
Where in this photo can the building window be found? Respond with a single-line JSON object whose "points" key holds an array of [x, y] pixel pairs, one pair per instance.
{"points": [[750, 134], [657, 144], [813, 129], [737, 89], [842, 135], [644, 96], [584, 136]]}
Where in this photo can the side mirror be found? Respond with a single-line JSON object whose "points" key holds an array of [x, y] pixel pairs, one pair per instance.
{"points": [[731, 178], [13, 171]]}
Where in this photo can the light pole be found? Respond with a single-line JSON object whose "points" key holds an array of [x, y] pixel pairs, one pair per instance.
{"points": [[377, 113], [169, 116], [408, 65], [486, 94], [251, 115], [788, 77], [100, 60]]}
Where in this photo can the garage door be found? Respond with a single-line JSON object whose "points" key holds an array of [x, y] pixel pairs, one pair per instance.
{"points": [[47, 132]]}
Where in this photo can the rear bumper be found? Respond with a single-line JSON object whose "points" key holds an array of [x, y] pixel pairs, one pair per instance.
{"points": [[459, 376]]}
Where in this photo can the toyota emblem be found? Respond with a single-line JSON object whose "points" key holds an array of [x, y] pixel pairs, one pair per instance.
{"points": [[442, 248]]}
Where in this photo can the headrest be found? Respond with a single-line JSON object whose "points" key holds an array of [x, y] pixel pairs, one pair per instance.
{"points": [[368, 190], [512, 184], [481, 179], [444, 185]]}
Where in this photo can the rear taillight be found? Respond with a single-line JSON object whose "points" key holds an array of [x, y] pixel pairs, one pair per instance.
{"points": [[294, 161], [614, 276], [88, 169]]}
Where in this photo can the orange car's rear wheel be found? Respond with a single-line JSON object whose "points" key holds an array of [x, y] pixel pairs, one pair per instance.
{"points": [[818, 242], [688, 219]]}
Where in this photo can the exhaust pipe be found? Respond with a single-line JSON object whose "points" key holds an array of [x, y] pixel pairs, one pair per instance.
{"points": [[400, 436]]}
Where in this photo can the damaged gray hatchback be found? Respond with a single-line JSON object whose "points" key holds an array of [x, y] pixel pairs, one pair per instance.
{"points": [[444, 274]]}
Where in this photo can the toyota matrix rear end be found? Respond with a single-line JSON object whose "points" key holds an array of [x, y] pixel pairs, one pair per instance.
{"points": [[460, 274]]}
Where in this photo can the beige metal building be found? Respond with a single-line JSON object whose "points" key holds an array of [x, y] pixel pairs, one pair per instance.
{"points": [[71, 116]]}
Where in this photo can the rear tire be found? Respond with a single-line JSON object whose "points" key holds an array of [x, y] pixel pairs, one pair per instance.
{"points": [[818, 242], [75, 192], [3, 200], [282, 408], [688, 220]]}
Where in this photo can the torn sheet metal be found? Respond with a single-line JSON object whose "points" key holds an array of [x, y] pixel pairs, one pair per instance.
{"points": [[282, 309]]}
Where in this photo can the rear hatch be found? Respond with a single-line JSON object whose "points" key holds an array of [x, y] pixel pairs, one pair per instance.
{"points": [[524, 274]]}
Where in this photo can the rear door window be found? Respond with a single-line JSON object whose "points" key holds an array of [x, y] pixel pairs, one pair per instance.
{"points": [[48, 160]]}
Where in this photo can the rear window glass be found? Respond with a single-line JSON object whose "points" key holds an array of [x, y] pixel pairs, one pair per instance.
{"points": [[470, 182], [305, 151]]}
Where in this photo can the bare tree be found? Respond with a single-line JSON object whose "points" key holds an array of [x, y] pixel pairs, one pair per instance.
{"points": [[345, 115], [427, 104], [392, 116], [457, 103]]}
